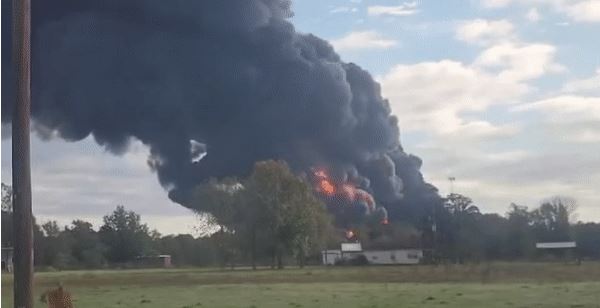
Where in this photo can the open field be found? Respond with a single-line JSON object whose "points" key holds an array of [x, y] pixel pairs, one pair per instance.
{"points": [[496, 285]]}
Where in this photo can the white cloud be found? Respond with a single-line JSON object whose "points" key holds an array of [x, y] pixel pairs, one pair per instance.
{"points": [[505, 3], [520, 61], [484, 32], [496, 178], [577, 10], [511, 156], [590, 86], [533, 15], [82, 180], [495, 3], [476, 130], [585, 11], [405, 9], [431, 96], [461, 109], [343, 9], [574, 118], [450, 102], [505, 54], [567, 108], [363, 40]]}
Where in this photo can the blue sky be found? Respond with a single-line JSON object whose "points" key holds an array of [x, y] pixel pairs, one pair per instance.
{"points": [[504, 95], [501, 94]]}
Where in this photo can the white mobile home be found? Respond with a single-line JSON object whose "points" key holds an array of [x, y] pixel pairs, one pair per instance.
{"points": [[350, 252], [398, 256]]}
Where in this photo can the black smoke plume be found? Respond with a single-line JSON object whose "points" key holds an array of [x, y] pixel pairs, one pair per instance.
{"points": [[210, 87]]}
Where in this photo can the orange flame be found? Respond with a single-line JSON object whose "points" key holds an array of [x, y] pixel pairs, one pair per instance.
{"points": [[324, 183], [327, 187], [345, 190]]}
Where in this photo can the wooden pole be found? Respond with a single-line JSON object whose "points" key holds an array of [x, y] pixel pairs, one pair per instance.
{"points": [[21, 174]]}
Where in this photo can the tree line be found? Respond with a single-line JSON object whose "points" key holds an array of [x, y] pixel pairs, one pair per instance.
{"points": [[273, 218], [465, 234], [270, 218]]}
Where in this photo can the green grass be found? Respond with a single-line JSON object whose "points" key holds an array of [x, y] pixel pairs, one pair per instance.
{"points": [[498, 285]]}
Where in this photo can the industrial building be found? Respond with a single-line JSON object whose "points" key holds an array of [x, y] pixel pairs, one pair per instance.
{"points": [[352, 251]]}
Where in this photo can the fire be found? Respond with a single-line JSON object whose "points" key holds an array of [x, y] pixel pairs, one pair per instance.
{"points": [[348, 191], [327, 187]]}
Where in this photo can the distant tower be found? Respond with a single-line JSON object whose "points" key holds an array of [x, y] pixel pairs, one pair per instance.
{"points": [[451, 179]]}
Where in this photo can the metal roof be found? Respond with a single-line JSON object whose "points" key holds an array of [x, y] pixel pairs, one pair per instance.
{"points": [[556, 245], [348, 247]]}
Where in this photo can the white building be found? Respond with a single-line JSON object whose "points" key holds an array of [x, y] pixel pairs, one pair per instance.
{"points": [[350, 251], [331, 257], [398, 256]]}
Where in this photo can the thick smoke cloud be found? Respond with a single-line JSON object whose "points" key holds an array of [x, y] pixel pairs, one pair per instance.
{"points": [[210, 87]]}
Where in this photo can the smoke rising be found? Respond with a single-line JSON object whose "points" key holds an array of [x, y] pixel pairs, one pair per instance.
{"points": [[210, 87]]}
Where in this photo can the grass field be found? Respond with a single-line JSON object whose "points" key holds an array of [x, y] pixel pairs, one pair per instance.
{"points": [[496, 285]]}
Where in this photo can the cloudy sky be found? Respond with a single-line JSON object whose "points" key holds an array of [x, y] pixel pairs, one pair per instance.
{"points": [[502, 95]]}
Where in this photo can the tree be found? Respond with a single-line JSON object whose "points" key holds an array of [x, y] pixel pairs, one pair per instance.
{"points": [[7, 198], [465, 240], [124, 235], [222, 201], [186, 250], [551, 221], [493, 232], [272, 212], [219, 199], [51, 228], [7, 216], [7, 227], [460, 205], [38, 245], [86, 248], [520, 240], [306, 220], [54, 246], [587, 236], [294, 218]]}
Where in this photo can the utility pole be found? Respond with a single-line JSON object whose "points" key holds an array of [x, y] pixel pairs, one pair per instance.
{"points": [[451, 179], [21, 173], [434, 255]]}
